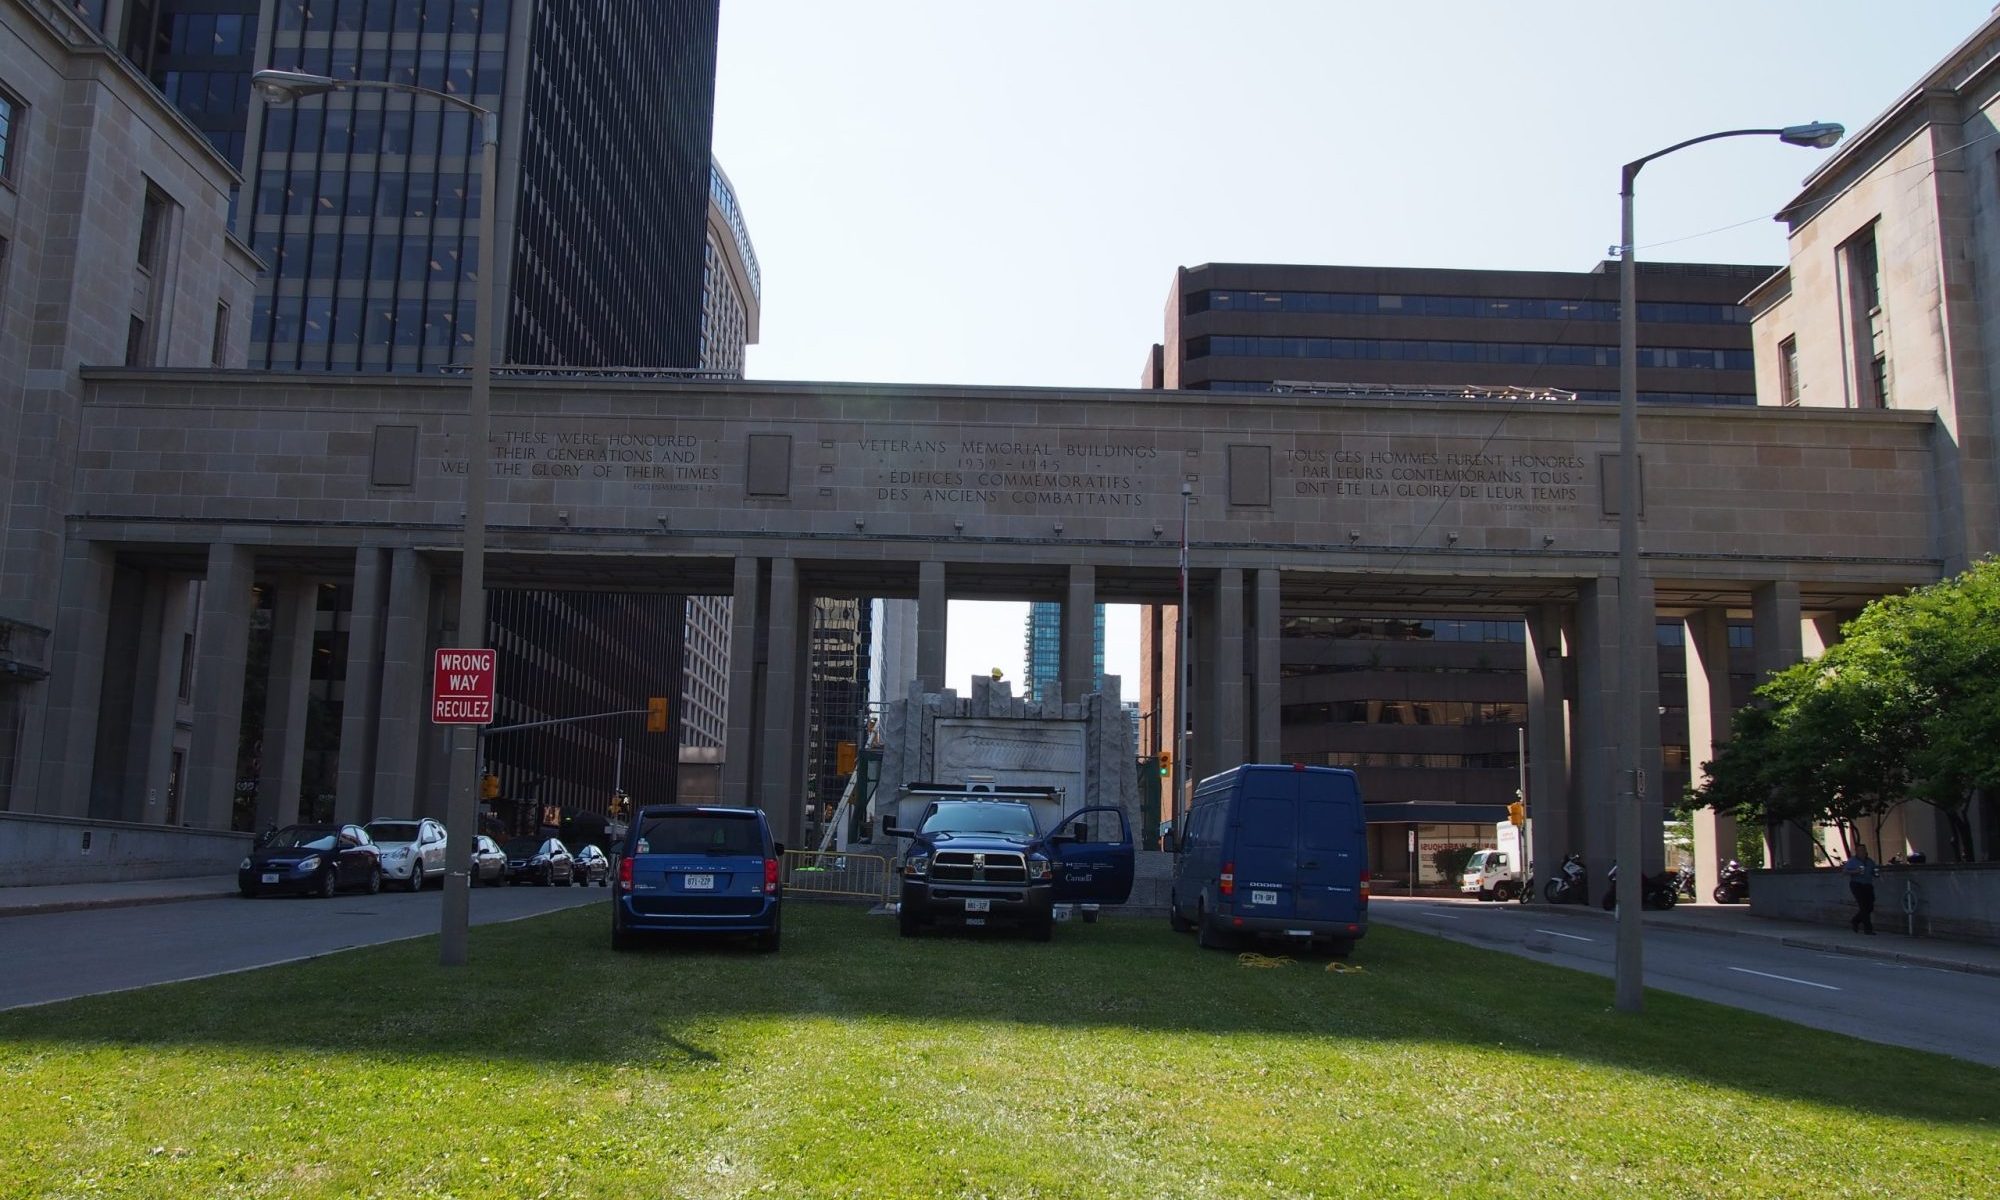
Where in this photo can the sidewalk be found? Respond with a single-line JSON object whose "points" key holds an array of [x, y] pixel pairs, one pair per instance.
{"points": [[67, 897], [1737, 920]]}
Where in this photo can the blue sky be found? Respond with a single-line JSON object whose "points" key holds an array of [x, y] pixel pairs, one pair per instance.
{"points": [[999, 193]]}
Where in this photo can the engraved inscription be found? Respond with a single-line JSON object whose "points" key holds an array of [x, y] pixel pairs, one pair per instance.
{"points": [[649, 461]]}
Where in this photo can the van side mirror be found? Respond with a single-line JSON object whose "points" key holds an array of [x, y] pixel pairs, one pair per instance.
{"points": [[891, 829], [777, 849]]}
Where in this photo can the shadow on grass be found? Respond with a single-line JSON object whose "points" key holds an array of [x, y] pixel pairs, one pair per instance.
{"points": [[551, 991]]}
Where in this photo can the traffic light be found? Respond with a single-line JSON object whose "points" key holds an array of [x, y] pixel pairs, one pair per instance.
{"points": [[656, 714], [1517, 812], [1166, 763], [489, 787], [843, 758]]}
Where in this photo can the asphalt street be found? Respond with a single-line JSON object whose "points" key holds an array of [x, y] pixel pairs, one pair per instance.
{"points": [[1898, 1004], [57, 956]]}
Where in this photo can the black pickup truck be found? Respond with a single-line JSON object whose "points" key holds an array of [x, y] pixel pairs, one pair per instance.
{"points": [[979, 859]]}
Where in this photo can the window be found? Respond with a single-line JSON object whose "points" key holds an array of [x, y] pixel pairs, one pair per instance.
{"points": [[153, 230], [1867, 374], [10, 128], [135, 342], [218, 346], [1878, 381], [1788, 371]]}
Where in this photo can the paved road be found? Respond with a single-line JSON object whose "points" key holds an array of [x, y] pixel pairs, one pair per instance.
{"points": [[57, 956], [1946, 1012]]}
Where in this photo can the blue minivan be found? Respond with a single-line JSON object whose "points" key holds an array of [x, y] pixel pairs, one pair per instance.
{"points": [[1273, 850], [687, 868]]}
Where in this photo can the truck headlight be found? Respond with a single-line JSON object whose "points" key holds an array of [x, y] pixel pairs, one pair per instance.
{"points": [[1039, 866], [918, 865]]}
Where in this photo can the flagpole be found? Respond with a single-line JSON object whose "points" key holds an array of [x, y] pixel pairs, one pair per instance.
{"points": [[1181, 722]]}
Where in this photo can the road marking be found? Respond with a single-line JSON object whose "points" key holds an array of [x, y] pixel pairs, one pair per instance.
{"points": [[1572, 937], [1786, 978], [1438, 916]]}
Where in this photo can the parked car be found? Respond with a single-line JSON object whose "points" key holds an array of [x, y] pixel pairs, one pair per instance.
{"points": [[977, 861], [412, 850], [696, 869], [314, 860], [1277, 850], [593, 866], [489, 861], [538, 860]]}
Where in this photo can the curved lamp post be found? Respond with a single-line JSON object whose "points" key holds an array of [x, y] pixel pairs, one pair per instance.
{"points": [[1633, 638], [461, 811]]}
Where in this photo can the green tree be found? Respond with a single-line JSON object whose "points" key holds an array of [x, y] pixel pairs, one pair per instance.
{"points": [[1906, 706]]}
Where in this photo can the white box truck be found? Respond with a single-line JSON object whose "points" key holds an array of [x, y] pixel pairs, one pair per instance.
{"points": [[1499, 872]]}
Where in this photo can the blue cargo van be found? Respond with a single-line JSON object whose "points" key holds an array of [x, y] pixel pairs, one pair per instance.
{"points": [[1273, 850]]}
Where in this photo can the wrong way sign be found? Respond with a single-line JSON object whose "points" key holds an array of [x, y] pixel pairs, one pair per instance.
{"points": [[462, 688]]}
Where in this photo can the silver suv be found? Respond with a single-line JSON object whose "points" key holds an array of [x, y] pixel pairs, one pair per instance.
{"points": [[412, 850]]}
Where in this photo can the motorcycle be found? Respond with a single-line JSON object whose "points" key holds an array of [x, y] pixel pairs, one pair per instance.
{"points": [[1659, 891], [1732, 884], [1684, 883], [1569, 884]]}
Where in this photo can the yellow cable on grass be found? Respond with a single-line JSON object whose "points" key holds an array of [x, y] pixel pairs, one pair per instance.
{"points": [[1341, 968], [1252, 959]]}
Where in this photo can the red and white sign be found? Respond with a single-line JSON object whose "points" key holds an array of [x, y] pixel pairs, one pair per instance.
{"points": [[462, 692]]}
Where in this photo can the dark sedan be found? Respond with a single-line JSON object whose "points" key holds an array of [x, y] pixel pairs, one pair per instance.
{"points": [[538, 860], [593, 866], [315, 860]]}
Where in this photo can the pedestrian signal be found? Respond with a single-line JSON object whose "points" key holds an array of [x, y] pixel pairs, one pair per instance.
{"points": [[1517, 812], [843, 758], [656, 714]]}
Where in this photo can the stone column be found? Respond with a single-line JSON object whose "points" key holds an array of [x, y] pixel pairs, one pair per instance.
{"points": [[1653, 802], [175, 601], [361, 691], [295, 610], [1777, 643], [778, 778], [1079, 624], [1266, 668], [933, 608], [1551, 803], [1709, 711], [1229, 691], [76, 680], [1202, 746], [403, 711], [222, 647], [740, 747], [125, 700], [1593, 810]]}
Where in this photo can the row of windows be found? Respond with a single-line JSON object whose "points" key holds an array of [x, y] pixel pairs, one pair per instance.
{"points": [[1393, 629], [222, 35], [1519, 308], [374, 16], [198, 92], [1383, 758], [1595, 396], [351, 321], [368, 131], [1507, 353], [391, 256], [1405, 712], [1674, 633], [366, 194]]}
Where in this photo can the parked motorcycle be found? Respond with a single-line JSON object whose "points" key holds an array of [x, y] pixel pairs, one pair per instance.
{"points": [[1569, 885], [1684, 883], [1732, 884], [1658, 891]]}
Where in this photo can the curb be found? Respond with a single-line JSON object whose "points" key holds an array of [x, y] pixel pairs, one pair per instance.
{"points": [[1797, 942], [57, 906]]}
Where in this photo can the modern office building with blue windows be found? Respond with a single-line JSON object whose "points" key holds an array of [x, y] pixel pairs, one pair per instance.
{"points": [[1043, 652]]}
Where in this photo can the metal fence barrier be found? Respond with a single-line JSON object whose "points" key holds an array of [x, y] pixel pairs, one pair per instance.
{"points": [[836, 874]]}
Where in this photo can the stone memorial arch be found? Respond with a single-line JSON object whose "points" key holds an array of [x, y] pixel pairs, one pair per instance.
{"points": [[773, 493]]}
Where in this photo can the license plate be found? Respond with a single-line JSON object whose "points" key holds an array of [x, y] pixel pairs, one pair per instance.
{"points": [[698, 883], [1263, 897], [270, 879], [978, 906]]}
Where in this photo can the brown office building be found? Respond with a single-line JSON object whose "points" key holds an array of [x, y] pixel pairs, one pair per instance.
{"points": [[1426, 707]]}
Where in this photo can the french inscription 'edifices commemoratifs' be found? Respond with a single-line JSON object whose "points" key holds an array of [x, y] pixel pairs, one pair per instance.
{"points": [[1521, 480], [978, 473], [646, 461]]}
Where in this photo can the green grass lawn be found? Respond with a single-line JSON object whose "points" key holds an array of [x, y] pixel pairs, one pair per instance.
{"points": [[1119, 1061]]}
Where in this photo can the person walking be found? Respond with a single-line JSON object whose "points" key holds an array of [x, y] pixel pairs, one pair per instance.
{"points": [[1861, 881]]}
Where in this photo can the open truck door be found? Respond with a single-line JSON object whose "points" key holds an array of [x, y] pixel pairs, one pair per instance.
{"points": [[1094, 856]]}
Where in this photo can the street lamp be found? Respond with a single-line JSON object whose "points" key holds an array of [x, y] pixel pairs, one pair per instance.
{"points": [[283, 87], [1632, 620]]}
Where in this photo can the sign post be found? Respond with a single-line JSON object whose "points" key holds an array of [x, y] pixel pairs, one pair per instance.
{"points": [[462, 688]]}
